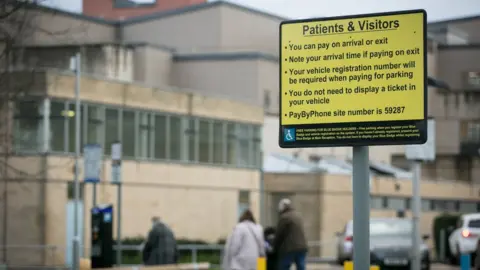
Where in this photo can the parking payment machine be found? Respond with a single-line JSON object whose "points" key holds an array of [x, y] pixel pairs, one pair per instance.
{"points": [[102, 237]]}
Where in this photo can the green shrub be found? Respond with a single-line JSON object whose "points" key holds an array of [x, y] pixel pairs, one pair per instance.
{"points": [[443, 222], [135, 257]]}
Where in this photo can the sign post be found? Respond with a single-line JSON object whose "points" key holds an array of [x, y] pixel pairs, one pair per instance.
{"points": [[354, 81], [92, 159], [117, 179], [417, 154]]}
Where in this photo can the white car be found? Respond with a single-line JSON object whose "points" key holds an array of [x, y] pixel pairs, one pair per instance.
{"points": [[464, 239], [345, 243]]}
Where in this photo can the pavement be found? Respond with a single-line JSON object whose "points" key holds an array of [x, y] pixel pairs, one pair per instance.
{"points": [[326, 266]]}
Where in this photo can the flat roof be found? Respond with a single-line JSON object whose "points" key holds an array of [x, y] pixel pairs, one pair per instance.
{"points": [[225, 56]]}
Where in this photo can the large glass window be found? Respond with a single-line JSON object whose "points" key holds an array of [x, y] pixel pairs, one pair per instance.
{"points": [[257, 156], [94, 124], [128, 133], [112, 123], [231, 144], [28, 128], [204, 137], [176, 138], [243, 201], [218, 142], [144, 135], [192, 135], [72, 129], [244, 137], [161, 136], [58, 125], [397, 203], [468, 207]]}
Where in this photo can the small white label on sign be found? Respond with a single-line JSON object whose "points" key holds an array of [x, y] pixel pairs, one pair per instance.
{"points": [[92, 162], [424, 151], [116, 174], [116, 151]]}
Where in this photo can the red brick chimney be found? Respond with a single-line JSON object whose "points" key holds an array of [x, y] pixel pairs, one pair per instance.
{"points": [[124, 9]]}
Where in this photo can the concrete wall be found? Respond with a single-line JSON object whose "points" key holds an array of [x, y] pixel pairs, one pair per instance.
{"points": [[109, 61], [217, 29], [235, 80], [49, 26], [153, 65], [134, 95], [192, 30], [195, 208], [22, 208]]}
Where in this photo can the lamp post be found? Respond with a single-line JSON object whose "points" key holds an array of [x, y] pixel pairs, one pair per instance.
{"points": [[76, 65]]}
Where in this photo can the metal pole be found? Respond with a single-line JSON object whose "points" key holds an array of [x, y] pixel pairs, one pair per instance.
{"points": [[117, 179], [361, 208], [76, 236], [119, 224], [94, 195], [416, 241], [262, 192]]}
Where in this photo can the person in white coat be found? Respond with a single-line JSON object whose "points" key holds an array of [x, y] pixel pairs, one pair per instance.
{"points": [[245, 245]]}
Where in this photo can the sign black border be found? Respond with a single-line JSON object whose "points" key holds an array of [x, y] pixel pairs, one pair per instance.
{"points": [[421, 123]]}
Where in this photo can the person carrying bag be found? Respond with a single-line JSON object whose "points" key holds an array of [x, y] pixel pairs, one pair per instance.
{"points": [[244, 249]]}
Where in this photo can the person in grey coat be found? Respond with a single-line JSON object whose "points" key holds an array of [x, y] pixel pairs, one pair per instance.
{"points": [[161, 246]]}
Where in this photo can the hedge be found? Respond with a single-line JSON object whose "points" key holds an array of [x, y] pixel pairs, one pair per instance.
{"points": [[135, 257], [444, 222]]}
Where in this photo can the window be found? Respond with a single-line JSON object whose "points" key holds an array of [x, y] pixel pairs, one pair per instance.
{"points": [[143, 139], [71, 190], [426, 205], [94, 116], [396, 203], [243, 135], [58, 126], [72, 128], [28, 127], [257, 154], [474, 223], [376, 202], [204, 137], [128, 133], [176, 138], [219, 139], [160, 137], [468, 207], [231, 144], [191, 133], [112, 126], [243, 201], [443, 205]]}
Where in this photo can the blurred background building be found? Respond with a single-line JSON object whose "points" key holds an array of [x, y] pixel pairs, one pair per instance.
{"points": [[191, 90]]}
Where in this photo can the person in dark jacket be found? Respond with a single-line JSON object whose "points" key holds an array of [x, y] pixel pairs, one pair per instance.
{"points": [[290, 242], [161, 246], [269, 236]]}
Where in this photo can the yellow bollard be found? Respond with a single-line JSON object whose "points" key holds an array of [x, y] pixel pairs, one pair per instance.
{"points": [[84, 264], [348, 265]]}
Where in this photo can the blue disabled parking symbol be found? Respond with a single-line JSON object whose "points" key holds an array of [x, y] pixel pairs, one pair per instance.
{"points": [[289, 135]]}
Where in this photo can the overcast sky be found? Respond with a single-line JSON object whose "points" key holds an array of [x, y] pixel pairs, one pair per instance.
{"points": [[436, 9]]}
